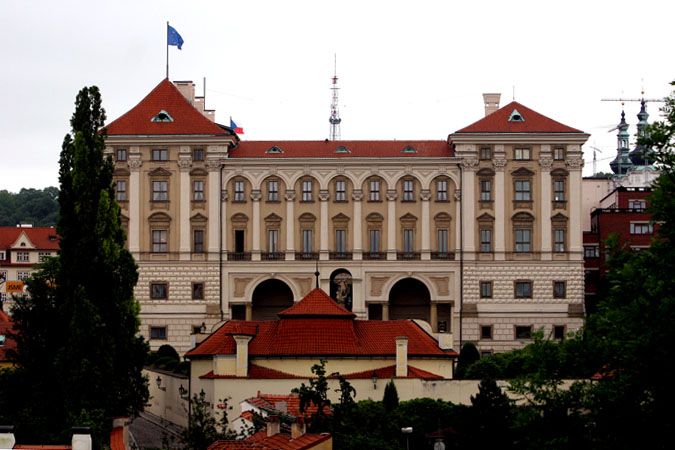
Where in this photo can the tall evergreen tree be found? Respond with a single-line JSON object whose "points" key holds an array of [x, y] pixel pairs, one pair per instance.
{"points": [[93, 354]]}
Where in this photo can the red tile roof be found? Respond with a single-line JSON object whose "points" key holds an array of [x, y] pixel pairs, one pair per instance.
{"points": [[280, 441], [5, 328], [299, 333], [327, 149], [498, 122], [388, 372], [43, 238], [187, 120], [271, 404], [256, 372]]}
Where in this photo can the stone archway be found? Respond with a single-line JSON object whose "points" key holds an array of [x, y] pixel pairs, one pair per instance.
{"points": [[270, 298], [341, 287], [409, 299]]}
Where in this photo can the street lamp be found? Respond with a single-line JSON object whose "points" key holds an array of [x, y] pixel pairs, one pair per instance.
{"points": [[374, 379], [407, 431], [183, 392], [159, 384]]}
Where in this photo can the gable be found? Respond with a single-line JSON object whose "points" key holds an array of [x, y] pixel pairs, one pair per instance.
{"points": [[23, 242]]}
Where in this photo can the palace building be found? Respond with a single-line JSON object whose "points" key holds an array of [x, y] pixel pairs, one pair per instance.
{"points": [[478, 234]]}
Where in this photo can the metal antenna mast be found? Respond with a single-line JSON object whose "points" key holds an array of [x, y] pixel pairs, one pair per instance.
{"points": [[334, 110]]}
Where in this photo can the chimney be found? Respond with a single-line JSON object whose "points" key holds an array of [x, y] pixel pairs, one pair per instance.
{"points": [[491, 102], [402, 356], [298, 428], [242, 354], [187, 88], [123, 423], [273, 425], [81, 438], [7, 436]]}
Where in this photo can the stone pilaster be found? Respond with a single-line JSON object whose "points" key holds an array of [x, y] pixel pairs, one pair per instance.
{"points": [[289, 196]]}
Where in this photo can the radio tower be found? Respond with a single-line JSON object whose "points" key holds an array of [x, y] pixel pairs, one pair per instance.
{"points": [[334, 111]]}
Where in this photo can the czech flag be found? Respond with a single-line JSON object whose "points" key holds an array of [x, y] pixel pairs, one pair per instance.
{"points": [[234, 126]]}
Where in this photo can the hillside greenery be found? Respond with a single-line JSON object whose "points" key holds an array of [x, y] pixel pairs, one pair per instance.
{"points": [[39, 207]]}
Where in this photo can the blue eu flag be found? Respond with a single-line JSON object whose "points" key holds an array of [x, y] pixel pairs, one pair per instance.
{"points": [[173, 38]]}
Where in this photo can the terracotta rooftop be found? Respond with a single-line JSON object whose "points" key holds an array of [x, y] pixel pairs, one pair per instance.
{"points": [[533, 122], [301, 331], [165, 97], [280, 441], [43, 238], [341, 149], [389, 372]]}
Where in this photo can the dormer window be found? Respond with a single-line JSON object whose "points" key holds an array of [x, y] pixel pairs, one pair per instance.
{"points": [[162, 116], [516, 116], [274, 150], [409, 149], [342, 149]]}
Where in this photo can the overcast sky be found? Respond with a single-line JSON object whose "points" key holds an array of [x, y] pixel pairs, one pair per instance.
{"points": [[407, 69]]}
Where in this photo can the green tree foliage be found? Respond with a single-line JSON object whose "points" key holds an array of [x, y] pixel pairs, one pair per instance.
{"points": [[390, 399], [467, 356], [39, 207], [316, 394], [204, 428], [78, 341], [491, 415]]}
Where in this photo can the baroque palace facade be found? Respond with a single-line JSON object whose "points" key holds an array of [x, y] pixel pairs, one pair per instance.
{"points": [[478, 235]]}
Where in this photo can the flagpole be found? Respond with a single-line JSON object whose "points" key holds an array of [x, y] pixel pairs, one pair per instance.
{"points": [[167, 49]]}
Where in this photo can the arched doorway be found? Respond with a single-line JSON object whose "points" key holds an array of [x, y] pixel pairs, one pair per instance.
{"points": [[341, 288], [409, 299], [269, 298]]}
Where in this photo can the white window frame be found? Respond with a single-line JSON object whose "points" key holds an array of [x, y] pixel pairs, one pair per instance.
{"points": [[340, 191], [160, 191], [198, 190], [160, 240]]}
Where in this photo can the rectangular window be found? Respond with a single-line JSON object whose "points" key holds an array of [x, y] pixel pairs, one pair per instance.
{"points": [[121, 154], [306, 190], [239, 191], [272, 190], [160, 191], [591, 251], [197, 291], [121, 190], [637, 205], [239, 241], [22, 275], [198, 190], [160, 154], [485, 153], [559, 153], [485, 190], [523, 240], [523, 190], [442, 190], [559, 240], [486, 240], [523, 289], [340, 241], [198, 154], [523, 332], [340, 191], [486, 289], [2, 255], [159, 291], [158, 333], [42, 256], [486, 332], [408, 191], [558, 190], [559, 289], [22, 257], [374, 193], [521, 154], [408, 240], [374, 240], [273, 241], [442, 240], [641, 228], [159, 241], [307, 241], [559, 332], [198, 241]]}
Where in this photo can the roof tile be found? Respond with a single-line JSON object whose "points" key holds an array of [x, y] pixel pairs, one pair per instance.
{"points": [[354, 149]]}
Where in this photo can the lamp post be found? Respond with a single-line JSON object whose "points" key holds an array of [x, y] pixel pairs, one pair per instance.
{"points": [[407, 431], [374, 380]]}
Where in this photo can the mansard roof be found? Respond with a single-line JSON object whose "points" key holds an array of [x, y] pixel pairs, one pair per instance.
{"points": [[335, 149], [165, 97], [529, 121]]}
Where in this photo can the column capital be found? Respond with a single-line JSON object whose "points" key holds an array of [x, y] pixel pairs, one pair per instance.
{"points": [[213, 164], [135, 163], [574, 162], [256, 195], [357, 195], [184, 163], [458, 195], [469, 163], [425, 195], [545, 162], [224, 195], [499, 163], [289, 195], [324, 195], [392, 195]]}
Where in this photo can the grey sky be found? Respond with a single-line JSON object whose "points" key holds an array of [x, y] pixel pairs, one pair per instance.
{"points": [[407, 69]]}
